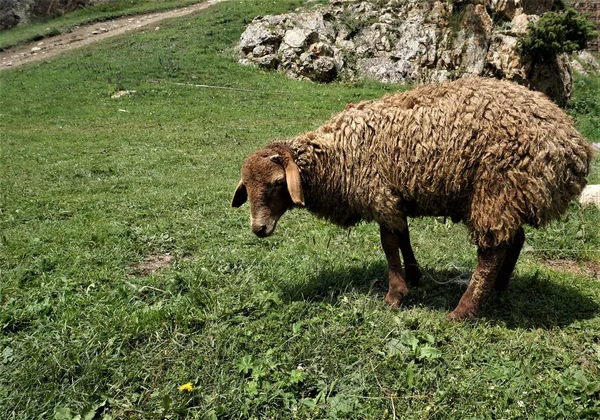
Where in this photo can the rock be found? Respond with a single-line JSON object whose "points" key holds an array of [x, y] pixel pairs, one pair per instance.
{"points": [[473, 39], [578, 68], [121, 93], [299, 38], [589, 59], [503, 60], [36, 49], [323, 69], [321, 49], [262, 50], [520, 23], [257, 34], [504, 9], [406, 41], [590, 195], [552, 77], [269, 61], [585, 63]]}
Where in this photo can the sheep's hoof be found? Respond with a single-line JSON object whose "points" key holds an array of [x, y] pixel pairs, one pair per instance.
{"points": [[413, 275], [501, 285], [459, 315], [394, 299]]}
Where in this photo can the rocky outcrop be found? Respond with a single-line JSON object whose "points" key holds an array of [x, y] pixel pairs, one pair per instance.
{"points": [[584, 63], [15, 12], [406, 41]]}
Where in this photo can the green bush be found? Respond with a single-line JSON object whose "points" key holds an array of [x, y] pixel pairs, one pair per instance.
{"points": [[558, 32]]}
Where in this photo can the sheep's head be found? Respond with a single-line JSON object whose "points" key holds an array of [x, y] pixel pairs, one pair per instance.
{"points": [[271, 180]]}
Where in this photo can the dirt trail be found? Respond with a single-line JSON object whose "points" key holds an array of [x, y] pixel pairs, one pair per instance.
{"points": [[84, 35]]}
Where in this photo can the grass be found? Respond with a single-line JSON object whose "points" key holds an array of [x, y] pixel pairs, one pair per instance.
{"points": [[101, 12], [292, 326]]}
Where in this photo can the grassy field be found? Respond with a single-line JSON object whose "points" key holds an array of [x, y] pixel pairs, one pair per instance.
{"points": [[100, 12], [292, 326]]}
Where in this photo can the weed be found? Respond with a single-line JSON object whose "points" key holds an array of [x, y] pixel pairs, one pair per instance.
{"points": [[169, 65]]}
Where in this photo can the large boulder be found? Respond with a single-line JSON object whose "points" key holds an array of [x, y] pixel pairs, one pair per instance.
{"points": [[409, 41]]}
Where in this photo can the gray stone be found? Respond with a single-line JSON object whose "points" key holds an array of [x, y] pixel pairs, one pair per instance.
{"points": [[503, 59], [270, 61], [257, 34], [588, 59], [321, 49], [504, 9], [578, 68], [262, 50], [591, 195], [520, 23], [407, 41], [552, 77], [585, 63], [299, 38], [323, 69]]}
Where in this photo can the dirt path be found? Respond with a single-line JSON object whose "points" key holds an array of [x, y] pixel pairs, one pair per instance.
{"points": [[84, 35]]}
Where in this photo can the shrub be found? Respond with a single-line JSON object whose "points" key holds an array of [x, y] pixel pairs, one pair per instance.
{"points": [[557, 32]]}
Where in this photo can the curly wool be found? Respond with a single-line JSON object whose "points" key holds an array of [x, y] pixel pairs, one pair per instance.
{"points": [[487, 152]]}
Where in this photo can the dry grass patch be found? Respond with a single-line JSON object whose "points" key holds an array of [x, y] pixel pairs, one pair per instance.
{"points": [[152, 263], [589, 268]]}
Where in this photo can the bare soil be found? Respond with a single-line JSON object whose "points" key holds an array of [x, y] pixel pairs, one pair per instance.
{"points": [[152, 263], [590, 268], [88, 34]]}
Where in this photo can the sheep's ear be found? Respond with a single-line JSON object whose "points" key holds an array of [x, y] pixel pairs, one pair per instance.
{"points": [[292, 178], [240, 196]]}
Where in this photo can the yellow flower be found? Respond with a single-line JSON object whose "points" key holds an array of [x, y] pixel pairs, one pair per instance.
{"points": [[186, 387]]}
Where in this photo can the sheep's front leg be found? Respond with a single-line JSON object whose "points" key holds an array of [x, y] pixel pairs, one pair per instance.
{"points": [[397, 286], [489, 263], [411, 268]]}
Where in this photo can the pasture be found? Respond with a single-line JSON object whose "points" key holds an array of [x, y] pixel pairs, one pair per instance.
{"points": [[94, 189]]}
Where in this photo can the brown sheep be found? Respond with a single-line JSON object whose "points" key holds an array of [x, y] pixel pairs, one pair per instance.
{"points": [[486, 152]]}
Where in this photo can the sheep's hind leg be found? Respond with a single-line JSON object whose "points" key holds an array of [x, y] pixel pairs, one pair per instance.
{"points": [[411, 268], [390, 242], [489, 263], [512, 255]]}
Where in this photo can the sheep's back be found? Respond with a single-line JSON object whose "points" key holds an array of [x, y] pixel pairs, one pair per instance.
{"points": [[490, 152]]}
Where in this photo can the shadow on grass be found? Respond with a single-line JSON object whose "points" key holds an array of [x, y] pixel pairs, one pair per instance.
{"points": [[532, 301]]}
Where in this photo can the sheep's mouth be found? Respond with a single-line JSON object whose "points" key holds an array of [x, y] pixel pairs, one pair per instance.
{"points": [[262, 231]]}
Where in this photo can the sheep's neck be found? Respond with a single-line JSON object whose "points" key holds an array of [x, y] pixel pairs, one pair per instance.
{"points": [[325, 187]]}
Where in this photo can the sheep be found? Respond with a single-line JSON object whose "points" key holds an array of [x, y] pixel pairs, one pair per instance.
{"points": [[489, 153]]}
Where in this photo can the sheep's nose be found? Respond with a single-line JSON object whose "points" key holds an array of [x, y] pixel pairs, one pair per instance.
{"points": [[260, 231]]}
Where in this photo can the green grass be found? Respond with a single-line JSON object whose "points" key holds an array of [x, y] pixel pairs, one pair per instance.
{"points": [[289, 326], [98, 13]]}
